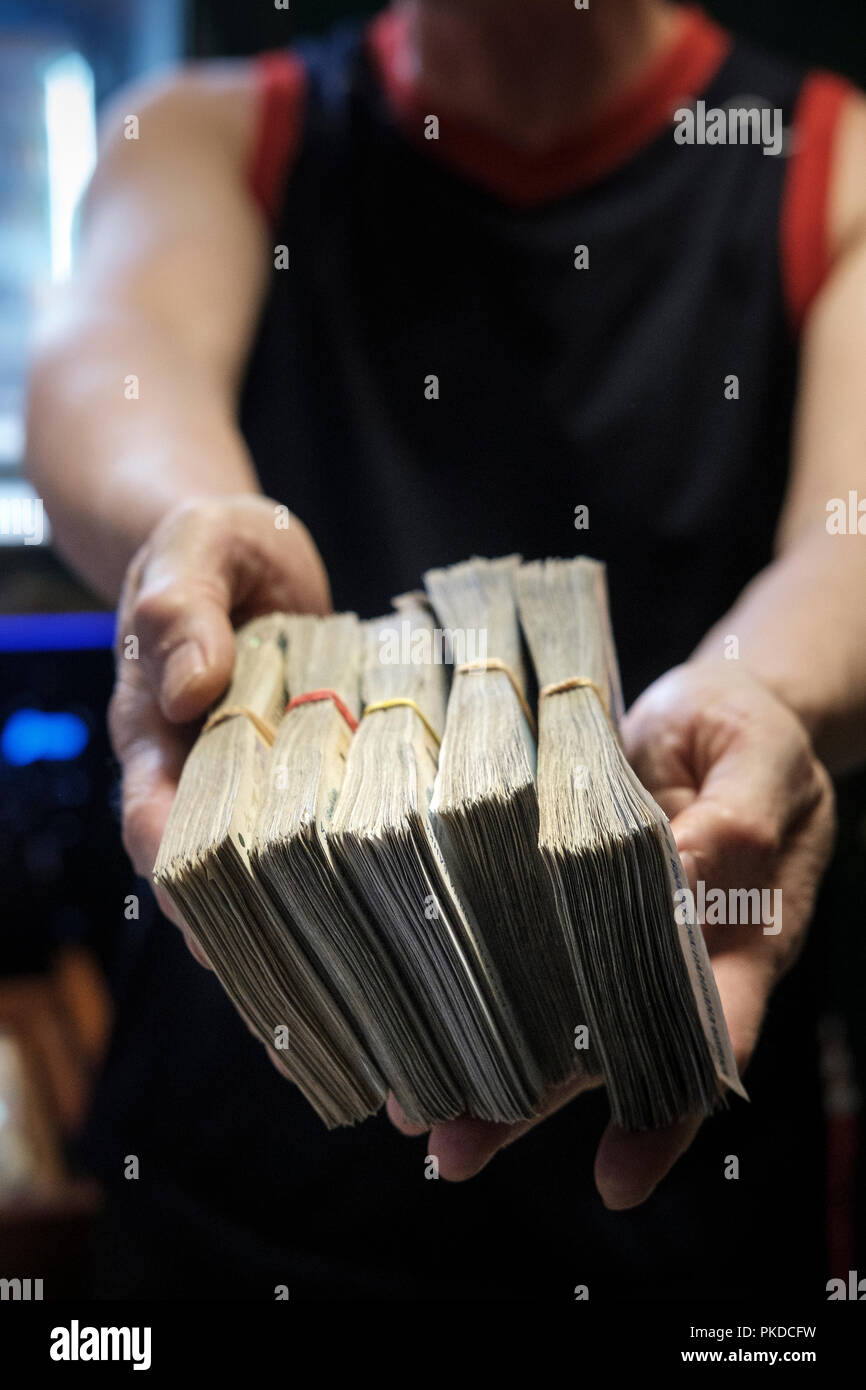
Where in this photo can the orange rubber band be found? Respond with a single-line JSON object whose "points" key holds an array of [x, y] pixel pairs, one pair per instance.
{"points": [[314, 697]]}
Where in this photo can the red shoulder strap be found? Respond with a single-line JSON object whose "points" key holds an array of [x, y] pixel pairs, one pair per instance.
{"points": [[282, 84], [805, 248]]}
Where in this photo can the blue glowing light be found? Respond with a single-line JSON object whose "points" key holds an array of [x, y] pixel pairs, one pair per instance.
{"points": [[35, 735], [56, 632]]}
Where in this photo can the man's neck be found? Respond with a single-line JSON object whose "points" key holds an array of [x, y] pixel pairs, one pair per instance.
{"points": [[534, 70]]}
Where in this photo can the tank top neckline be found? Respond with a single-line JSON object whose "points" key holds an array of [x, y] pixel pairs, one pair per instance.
{"points": [[675, 77]]}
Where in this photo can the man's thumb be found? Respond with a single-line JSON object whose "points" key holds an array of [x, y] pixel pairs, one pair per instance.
{"points": [[188, 648]]}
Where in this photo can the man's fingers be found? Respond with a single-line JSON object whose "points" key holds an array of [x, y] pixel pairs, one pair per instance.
{"points": [[147, 796], [148, 791], [464, 1146], [168, 909], [185, 638], [152, 753], [745, 981], [716, 843], [629, 1166], [204, 567]]}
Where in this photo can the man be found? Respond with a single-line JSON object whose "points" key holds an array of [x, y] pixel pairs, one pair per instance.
{"points": [[464, 282]]}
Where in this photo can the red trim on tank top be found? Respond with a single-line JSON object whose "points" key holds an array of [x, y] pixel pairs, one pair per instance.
{"points": [[282, 87], [675, 78], [804, 229]]}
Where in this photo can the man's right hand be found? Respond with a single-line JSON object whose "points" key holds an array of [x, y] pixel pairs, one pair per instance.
{"points": [[208, 566]]}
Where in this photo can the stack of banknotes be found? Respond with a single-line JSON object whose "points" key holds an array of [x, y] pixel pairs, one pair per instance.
{"points": [[418, 861]]}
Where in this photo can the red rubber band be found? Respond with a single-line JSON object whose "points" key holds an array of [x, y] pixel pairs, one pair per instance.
{"points": [[313, 697]]}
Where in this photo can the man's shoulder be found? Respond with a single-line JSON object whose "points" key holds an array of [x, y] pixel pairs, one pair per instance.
{"points": [[208, 105]]}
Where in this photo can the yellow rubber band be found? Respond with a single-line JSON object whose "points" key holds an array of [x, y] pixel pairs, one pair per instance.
{"points": [[405, 704], [577, 683], [493, 663], [263, 730]]}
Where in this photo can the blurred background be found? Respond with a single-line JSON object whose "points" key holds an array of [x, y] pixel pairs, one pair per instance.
{"points": [[63, 875]]}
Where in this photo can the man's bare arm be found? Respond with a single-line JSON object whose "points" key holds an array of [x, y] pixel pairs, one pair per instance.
{"points": [[170, 281], [801, 623], [158, 494]]}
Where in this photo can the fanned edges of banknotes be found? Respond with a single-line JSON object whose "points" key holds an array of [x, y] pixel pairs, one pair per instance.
{"points": [[465, 925]]}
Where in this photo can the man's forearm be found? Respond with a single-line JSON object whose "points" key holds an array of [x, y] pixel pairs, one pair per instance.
{"points": [[801, 628], [123, 425]]}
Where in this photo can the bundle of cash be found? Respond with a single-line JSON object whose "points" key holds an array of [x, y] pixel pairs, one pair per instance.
{"points": [[485, 809], [204, 865], [645, 978], [383, 841], [291, 856], [401, 890]]}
